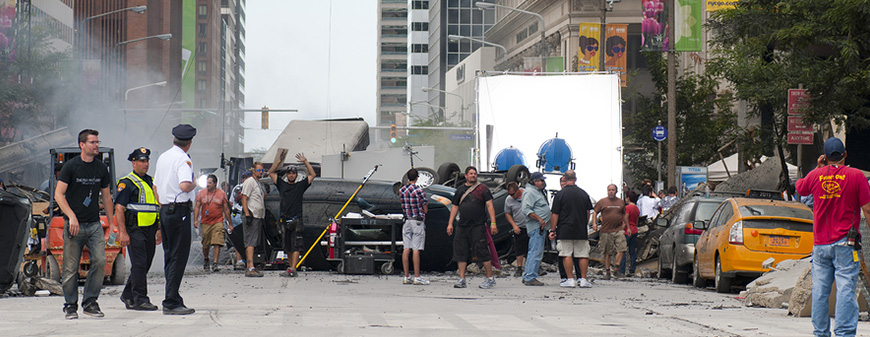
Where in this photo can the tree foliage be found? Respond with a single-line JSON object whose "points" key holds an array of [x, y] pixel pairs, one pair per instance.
{"points": [[765, 47], [704, 121]]}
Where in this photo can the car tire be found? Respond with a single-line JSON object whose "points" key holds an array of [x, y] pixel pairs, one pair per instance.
{"points": [[697, 281], [119, 271], [723, 283], [52, 271], [662, 272], [422, 171], [677, 276], [518, 173], [448, 171]]}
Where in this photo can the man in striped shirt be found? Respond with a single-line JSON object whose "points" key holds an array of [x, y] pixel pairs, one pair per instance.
{"points": [[414, 207]]}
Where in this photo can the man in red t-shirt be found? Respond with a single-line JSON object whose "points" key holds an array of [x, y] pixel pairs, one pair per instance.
{"points": [[212, 205], [840, 193]]}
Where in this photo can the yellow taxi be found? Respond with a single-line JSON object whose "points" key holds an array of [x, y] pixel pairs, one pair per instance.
{"points": [[743, 233]]}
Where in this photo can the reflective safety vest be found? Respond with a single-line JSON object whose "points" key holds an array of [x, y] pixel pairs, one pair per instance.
{"points": [[146, 209]]}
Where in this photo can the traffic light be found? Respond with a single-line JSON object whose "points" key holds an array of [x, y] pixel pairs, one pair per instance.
{"points": [[264, 118], [393, 135]]}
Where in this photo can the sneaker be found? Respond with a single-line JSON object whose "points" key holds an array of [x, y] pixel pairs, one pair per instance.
{"points": [[240, 265], [606, 276], [182, 310], [421, 281], [533, 282], [289, 273], [128, 303], [253, 273], [92, 309], [460, 283], [145, 306], [585, 283], [568, 283], [205, 265], [562, 280], [407, 280], [489, 283], [618, 274], [70, 311], [519, 272], [214, 267]]}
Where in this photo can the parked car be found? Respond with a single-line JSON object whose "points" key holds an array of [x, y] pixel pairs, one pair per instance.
{"points": [[677, 243], [743, 233]]}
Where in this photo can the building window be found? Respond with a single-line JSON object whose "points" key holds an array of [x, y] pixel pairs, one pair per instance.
{"points": [[420, 4], [419, 70], [394, 31], [394, 83], [533, 28], [200, 85], [420, 26], [394, 100], [202, 102], [201, 67], [202, 28], [202, 11], [394, 48], [394, 14], [522, 35], [419, 48], [202, 48], [394, 65]]}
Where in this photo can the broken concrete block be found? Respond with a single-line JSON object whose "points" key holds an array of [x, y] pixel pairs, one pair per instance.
{"points": [[801, 301], [775, 287]]}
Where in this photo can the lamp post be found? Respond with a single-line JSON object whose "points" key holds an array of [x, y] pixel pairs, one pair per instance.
{"points": [[488, 5], [461, 99], [126, 93], [82, 32], [161, 36], [117, 59], [423, 103], [503, 49]]}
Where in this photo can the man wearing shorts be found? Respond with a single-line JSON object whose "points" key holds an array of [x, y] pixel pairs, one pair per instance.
{"points": [[255, 210], [614, 224], [211, 209], [571, 211], [473, 202], [414, 207], [291, 190]]}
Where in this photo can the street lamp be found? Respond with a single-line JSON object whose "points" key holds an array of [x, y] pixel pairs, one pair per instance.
{"points": [[135, 9], [126, 93], [423, 103], [116, 62], [459, 37], [461, 99], [161, 36], [489, 5]]}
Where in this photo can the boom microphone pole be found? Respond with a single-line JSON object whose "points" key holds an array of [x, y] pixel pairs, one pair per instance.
{"points": [[365, 179]]}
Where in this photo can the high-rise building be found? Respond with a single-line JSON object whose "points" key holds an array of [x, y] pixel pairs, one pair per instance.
{"points": [[232, 72], [392, 74], [418, 61]]}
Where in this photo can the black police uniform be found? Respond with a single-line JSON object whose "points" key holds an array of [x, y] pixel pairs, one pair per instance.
{"points": [[142, 238]]}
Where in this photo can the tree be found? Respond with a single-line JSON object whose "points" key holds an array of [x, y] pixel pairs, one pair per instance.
{"points": [[447, 150], [765, 47], [704, 121]]}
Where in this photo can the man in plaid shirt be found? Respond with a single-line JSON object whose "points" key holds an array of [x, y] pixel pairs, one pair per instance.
{"points": [[414, 207]]}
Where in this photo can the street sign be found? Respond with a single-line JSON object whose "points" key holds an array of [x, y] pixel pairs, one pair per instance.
{"points": [[660, 133], [461, 137], [800, 138], [798, 101], [796, 123]]}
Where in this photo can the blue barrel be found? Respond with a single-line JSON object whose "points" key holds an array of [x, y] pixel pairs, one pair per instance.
{"points": [[508, 157], [554, 155]]}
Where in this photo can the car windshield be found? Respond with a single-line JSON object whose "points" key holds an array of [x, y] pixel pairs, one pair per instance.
{"points": [[773, 210], [705, 210]]}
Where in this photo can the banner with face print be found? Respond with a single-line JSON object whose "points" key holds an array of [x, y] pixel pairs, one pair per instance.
{"points": [[587, 55], [614, 50]]}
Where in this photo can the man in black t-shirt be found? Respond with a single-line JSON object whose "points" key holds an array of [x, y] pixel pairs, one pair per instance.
{"points": [[472, 201], [571, 212], [82, 183], [291, 192]]}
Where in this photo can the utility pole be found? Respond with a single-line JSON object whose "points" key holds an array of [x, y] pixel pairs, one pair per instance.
{"points": [[672, 97], [602, 35]]}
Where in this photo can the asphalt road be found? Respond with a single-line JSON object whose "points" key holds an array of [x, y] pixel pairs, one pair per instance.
{"points": [[324, 303]]}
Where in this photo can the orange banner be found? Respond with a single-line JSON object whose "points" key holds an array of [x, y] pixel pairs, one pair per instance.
{"points": [[614, 49], [587, 55]]}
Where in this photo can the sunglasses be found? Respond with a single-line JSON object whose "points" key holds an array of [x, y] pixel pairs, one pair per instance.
{"points": [[591, 48], [618, 49], [259, 170]]}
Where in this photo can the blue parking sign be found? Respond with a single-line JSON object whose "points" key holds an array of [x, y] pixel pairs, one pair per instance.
{"points": [[660, 133]]}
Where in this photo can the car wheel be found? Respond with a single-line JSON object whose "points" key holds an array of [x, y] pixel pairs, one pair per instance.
{"points": [[662, 272], [119, 271], [697, 281], [518, 173], [677, 276], [53, 269], [426, 177], [448, 171], [723, 283]]}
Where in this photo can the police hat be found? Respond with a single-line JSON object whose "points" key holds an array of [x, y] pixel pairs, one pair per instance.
{"points": [[184, 131], [139, 154]]}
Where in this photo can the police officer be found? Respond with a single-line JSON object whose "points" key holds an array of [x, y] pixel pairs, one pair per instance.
{"points": [[175, 184], [136, 210]]}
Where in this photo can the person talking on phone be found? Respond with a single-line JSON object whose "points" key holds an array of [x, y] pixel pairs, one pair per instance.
{"points": [[840, 193]]}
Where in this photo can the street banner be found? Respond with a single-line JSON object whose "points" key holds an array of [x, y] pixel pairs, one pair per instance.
{"points": [[653, 25], [796, 123], [689, 17], [587, 55], [715, 5], [7, 30], [615, 45], [533, 64], [798, 101], [188, 53], [554, 64], [800, 138]]}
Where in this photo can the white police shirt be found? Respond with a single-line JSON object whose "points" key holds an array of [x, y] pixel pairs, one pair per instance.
{"points": [[173, 167]]}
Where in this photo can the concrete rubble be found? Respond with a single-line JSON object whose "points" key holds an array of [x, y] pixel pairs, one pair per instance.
{"points": [[774, 289]]}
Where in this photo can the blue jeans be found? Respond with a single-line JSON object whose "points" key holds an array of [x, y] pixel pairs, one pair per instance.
{"points": [[835, 262], [631, 240], [90, 235], [535, 254]]}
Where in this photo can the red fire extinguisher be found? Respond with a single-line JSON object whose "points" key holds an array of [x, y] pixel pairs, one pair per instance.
{"points": [[333, 234]]}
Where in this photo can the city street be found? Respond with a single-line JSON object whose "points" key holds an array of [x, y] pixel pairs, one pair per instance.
{"points": [[325, 303]]}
